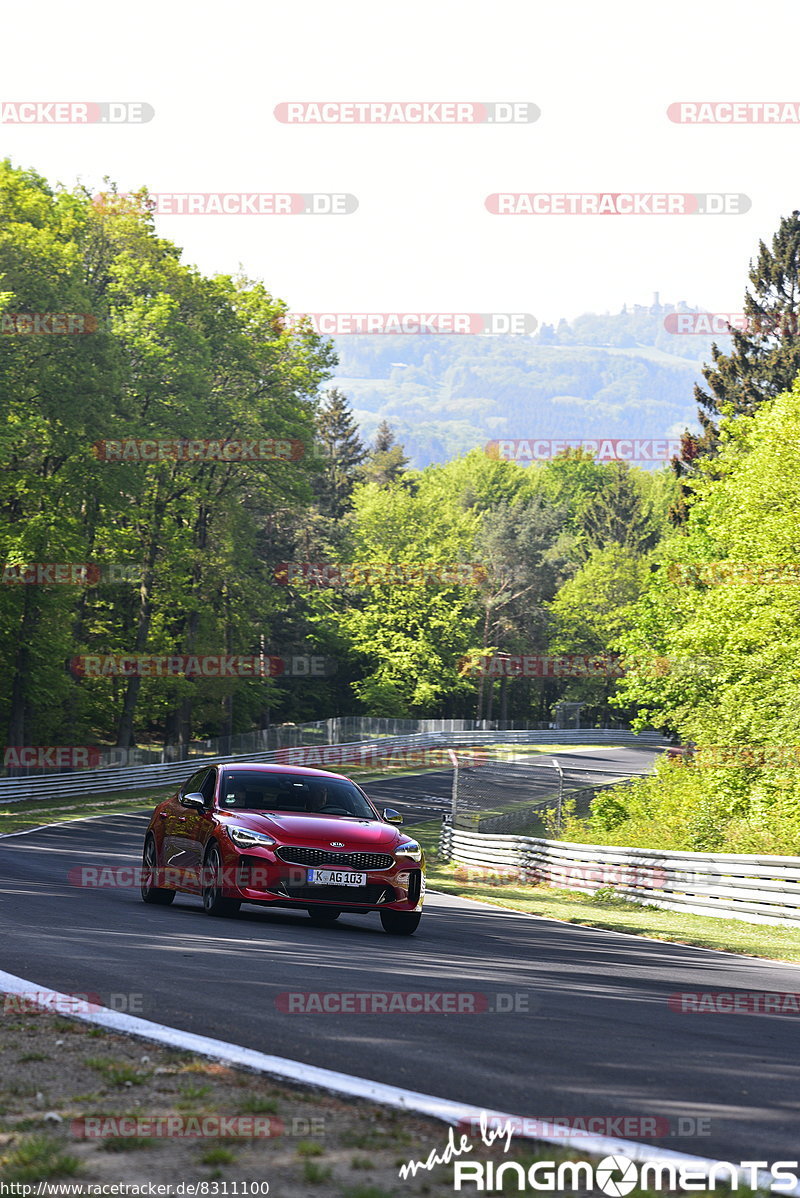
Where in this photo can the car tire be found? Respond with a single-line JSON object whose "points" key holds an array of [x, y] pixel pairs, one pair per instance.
{"points": [[322, 917], [153, 894], [400, 923], [214, 901]]}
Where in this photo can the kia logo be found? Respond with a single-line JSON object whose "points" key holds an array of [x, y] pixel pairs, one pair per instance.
{"points": [[337, 844]]}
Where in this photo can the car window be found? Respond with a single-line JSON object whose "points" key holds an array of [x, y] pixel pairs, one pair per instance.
{"points": [[194, 783], [208, 785], [244, 790]]}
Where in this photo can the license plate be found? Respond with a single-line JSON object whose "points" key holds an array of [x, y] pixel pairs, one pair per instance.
{"points": [[336, 877]]}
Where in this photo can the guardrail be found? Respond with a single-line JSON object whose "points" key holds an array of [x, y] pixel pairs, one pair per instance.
{"points": [[519, 820], [751, 888], [110, 780]]}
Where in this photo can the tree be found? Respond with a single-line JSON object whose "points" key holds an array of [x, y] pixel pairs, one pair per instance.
{"points": [[526, 551], [172, 356], [410, 635], [342, 453], [387, 461], [764, 360], [589, 614], [616, 515]]}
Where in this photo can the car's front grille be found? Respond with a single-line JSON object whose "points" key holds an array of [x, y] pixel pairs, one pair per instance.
{"points": [[364, 861], [371, 895]]}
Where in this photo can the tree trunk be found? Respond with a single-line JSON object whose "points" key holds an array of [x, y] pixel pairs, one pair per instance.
{"points": [[125, 737], [21, 672]]}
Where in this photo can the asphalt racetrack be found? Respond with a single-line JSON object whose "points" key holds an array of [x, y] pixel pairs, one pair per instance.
{"points": [[578, 1021]]}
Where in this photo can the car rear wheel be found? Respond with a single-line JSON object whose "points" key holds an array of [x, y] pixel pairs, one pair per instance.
{"points": [[150, 892], [323, 916], [214, 901], [400, 923]]}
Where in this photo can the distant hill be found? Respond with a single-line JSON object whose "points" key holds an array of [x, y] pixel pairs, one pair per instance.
{"points": [[620, 375]]}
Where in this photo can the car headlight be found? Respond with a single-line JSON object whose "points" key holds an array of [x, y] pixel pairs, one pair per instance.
{"points": [[409, 848], [245, 838]]}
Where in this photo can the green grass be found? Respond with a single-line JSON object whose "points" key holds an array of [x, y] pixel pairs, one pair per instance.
{"points": [[218, 1156], [361, 1162], [255, 1105], [309, 1148], [117, 1073], [612, 911], [37, 1158], [33, 813], [190, 1094], [127, 1143], [315, 1173]]}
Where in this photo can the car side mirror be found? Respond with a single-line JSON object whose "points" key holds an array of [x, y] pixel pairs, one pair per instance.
{"points": [[195, 800], [390, 816]]}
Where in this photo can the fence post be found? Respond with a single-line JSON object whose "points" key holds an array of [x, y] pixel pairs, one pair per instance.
{"points": [[454, 796], [445, 839]]}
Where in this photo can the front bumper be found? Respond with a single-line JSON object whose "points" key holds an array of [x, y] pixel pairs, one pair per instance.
{"points": [[263, 878]]}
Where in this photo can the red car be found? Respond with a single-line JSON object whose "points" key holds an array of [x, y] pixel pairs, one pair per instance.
{"points": [[283, 836]]}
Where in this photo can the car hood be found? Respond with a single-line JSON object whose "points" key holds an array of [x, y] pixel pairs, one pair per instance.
{"points": [[318, 829]]}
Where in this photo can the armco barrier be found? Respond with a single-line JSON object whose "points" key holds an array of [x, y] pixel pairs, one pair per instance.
{"points": [[519, 820], [755, 889], [157, 776]]}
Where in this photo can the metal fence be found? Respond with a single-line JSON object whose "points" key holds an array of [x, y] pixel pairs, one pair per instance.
{"points": [[333, 731], [157, 776], [752, 888]]}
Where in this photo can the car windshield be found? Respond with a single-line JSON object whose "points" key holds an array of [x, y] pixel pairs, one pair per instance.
{"points": [[243, 790]]}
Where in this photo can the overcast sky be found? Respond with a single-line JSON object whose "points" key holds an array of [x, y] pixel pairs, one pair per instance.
{"points": [[603, 77]]}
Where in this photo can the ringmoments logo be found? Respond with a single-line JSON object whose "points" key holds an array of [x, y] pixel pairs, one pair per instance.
{"points": [[618, 1175], [615, 1175]]}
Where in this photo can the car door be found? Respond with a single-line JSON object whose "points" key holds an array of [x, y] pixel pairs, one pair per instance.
{"points": [[177, 826], [197, 828]]}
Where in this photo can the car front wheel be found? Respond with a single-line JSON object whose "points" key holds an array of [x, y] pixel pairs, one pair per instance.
{"points": [[150, 892], [400, 923], [214, 901]]}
